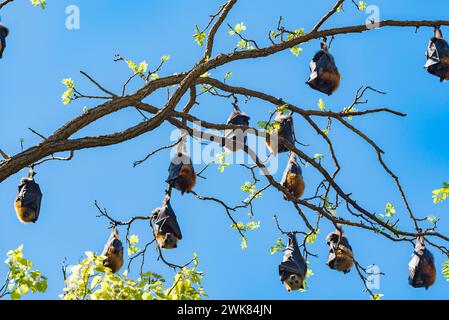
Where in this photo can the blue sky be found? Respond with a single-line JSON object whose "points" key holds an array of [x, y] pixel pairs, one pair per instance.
{"points": [[41, 52]]}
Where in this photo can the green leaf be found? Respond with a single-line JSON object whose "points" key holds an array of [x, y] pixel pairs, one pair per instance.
{"points": [[321, 105], [199, 36], [362, 5], [39, 3], [439, 195]]}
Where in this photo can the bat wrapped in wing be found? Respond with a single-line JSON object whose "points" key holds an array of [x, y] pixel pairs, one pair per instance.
{"points": [[324, 76], [283, 128], [3, 34], [341, 257], [438, 56], [421, 269], [238, 136], [293, 268], [181, 175], [28, 200], [113, 251], [165, 226], [292, 179]]}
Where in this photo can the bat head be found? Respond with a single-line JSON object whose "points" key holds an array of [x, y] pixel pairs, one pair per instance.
{"points": [[293, 281], [24, 214], [167, 240]]}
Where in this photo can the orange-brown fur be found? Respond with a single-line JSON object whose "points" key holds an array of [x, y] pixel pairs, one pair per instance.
{"points": [[344, 259], [164, 244], [273, 136], [331, 78], [292, 281], [295, 184], [268, 142], [187, 179], [445, 62], [114, 260], [428, 269], [25, 215]]}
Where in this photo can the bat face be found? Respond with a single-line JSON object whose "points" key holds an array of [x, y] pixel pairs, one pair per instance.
{"points": [[25, 215], [167, 240], [295, 184], [293, 282]]}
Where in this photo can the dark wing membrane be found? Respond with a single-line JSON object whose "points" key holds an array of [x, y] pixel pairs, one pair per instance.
{"points": [[175, 167], [167, 218], [437, 51], [292, 167], [422, 260], [108, 244], [293, 260], [238, 118], [286, 131]]}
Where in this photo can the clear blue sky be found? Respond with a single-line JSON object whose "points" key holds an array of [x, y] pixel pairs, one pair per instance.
{"points": [[41, 52]]}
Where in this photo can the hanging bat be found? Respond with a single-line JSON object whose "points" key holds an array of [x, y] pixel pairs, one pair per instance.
{"points": [[293, 268], [292, 179], [165, 226], [286, 131], [237, 117], [324, 75], [438, 56], [341, 257], [422, 271], [181, 176], [28, 200], [3, 34], [113, 251]]}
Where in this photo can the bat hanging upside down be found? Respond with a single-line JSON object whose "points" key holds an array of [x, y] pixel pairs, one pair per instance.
{"points": [[165, 226], [341, 257], [182, 176], [113, 251], [438, 56], [292, 179], [293, 268], [28, 200], [325, 76], [422, 271], [286, 130]]}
